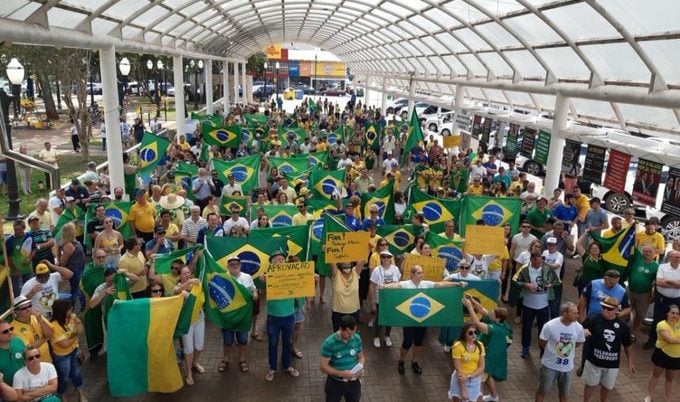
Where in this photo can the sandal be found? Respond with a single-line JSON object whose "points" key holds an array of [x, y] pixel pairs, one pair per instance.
{"points": [[243, 365], [269, 377], [297, 353], [257, 337], [198, 368], [224, 365], [293, 372], [190, 381]]}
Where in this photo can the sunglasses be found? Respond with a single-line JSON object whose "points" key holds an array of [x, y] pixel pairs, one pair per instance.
{"points": [[526, 227], [464, 267], [385, 256], [33, 357], [156, 290], [99, 257], [472, 332], [8, 330]]}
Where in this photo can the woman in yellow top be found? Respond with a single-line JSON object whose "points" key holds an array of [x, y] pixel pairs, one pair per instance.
{"points": [[66, 329], [666, 356], [468, 363], [111, 241], [31, 327], [194, 340]]}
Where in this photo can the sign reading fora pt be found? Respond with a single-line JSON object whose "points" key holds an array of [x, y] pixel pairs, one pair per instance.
{"points": [[346, 246]]}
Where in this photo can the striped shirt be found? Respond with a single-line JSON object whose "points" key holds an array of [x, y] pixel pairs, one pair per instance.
{"points": [[343, 355]]}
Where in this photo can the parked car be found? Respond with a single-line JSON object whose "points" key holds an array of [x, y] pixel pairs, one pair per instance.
{"points": [[397, 103], [94, 87], [431, 117], [264, 92], [333, 91], [306, 89]]}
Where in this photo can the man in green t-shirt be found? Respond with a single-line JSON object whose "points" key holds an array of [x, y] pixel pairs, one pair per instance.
{"points": [[20, 268], [537, 217], [342, 359], [640, 283], [11, 352]]}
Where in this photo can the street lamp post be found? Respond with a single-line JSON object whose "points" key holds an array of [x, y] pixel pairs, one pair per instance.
{"points": [[15, 74], [316, 78], [265, 65], [159, 65], [277, 83], [124, 67]]}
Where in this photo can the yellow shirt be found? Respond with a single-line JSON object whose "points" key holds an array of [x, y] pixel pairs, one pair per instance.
{"points": [[655, 240], [475, 190], [45, 220], [169, 282], [210, 209], [170, 231], [60, 334], [31, 332], [469, 361], [672, 350], [299, 219], [582, 204], [346, 293], [497, 263], [197, 291], [143, 218], [321, 147], [135, 264]]}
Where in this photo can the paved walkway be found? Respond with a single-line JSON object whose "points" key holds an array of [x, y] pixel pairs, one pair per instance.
{"points": [[381, 381]]}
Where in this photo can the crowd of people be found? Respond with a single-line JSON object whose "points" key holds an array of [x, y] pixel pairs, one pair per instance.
{"points": [[40, 351]]}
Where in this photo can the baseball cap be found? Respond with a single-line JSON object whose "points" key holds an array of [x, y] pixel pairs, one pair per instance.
{"points": [[551, 240], [275, 253], [233, 258], [33, 218], [610, 302], [42, 269]]}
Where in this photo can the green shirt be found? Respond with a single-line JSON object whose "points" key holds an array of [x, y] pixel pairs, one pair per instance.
{"points": [[642, 277], [281, 308], [591, 270], [12, 359], [343, 355], [496, 343], [17, 257], [538, 218], [459, 179]]}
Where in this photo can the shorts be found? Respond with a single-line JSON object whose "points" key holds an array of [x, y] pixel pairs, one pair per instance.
{"points": [[195, 338], [229, 336], [474, 387], [299, 314], [593, 375], [548, 377], [661, 359]]}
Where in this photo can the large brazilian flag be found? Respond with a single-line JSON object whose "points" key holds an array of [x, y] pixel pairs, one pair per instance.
{"points": [[116, 210], [325, 182], [222, 136], [383, 198], [227, 302], [151, 151], [296, 237], [435, 307], [141, 353], [494, 211], [414, 136], [289, 165], [400, 238], [436, 210], [244, 169], [279, 215], [449, 250], [619, 251], [253, 253]]}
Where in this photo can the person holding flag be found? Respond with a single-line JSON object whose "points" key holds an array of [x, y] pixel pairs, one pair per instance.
{"points": [[193, 341]]}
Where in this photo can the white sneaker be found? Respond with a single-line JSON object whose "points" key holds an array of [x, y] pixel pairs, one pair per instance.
{"points": [[447, 349], [489, 398], [376, 342], [388, 342]]}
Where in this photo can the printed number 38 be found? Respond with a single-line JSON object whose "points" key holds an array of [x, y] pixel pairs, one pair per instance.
{"points": [[562, 361]]}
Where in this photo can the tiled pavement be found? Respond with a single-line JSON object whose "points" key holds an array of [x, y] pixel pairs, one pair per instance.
{"points": [[381, 381]]}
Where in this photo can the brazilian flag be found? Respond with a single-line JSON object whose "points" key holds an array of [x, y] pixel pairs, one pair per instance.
{"points": [[299, 134], [415, 136], [451, 251], [436, 210], [254, 254], [296, 237], [205, 152], [279, 215], [228, 304], [244, 169], [434, 307], [289, 165], [400, 238], [338, 134], [76, 216], [208, 119], [383, 198], [141, 354], [93, 276], [619, 251], [317, 159], [116, 210], [325, 182], [485, 291], [299, 177], [319, 206], [163, 262], [255, 119], [315, 240], [223, 136], [372, 135], [151, 151], [494, 211], [227, 202]]}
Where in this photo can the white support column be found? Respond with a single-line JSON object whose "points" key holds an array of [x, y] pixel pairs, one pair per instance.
{"points": [[383, 100], [235, 82], [244, 98], [552, 170], [207, 69], [178, 74], [114, 143], [411, 97], [367, 92], [225, 86], [457, 106]]}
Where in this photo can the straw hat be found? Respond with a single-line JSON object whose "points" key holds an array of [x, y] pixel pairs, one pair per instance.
{"points": [[171, 201]]}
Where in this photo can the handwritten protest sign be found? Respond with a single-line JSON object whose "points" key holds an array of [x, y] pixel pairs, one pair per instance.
{"points": [[480, 239], [346, 246], [451, 141], [433, 267], [289, 280]]}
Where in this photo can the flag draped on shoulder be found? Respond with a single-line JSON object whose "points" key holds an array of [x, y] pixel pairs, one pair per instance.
{"points": [[223, 136], [141, 353], [494, 211], [92, 316], [116, 210], [255, 119], [435, 210], [151, 151], [414, 136], [618, 251], [485, 291], [383, 198], [254, 254], [434, 307], [339, 134], [325, 182], [228, 304], [279, 215], [245, 171], [400, 238], [449, 250], [298, 134], [296, 238]]}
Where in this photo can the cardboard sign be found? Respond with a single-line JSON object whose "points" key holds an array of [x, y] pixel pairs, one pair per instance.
{"points": [[451, 141], [290, 280], [481, 239], [347, 246], [433, 267]]}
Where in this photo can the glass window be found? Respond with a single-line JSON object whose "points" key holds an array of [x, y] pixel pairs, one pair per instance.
{"points": [[124, 8], [474, 41], [498, 35], [666, 57], [150, 15], [475, 65], [642, 17]]}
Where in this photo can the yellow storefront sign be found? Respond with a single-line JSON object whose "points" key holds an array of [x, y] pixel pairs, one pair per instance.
{"points": [[273, 51]]}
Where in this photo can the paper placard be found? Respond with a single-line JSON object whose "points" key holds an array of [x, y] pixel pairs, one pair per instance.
{"points": [[346, 246], [451, 141], [481, 239], [290, 280], [433, 267]]}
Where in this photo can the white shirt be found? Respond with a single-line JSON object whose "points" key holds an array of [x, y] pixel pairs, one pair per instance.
{"points": [[228, 189], [477, 170], [247, 281], [387, 164], [55, 202], [521, 244], [410, 285], [457, 276], [554, 258], [230, 223], [382, 276], [305, 148], [344, 162], [665, 271], [191, 228], [538, 300], [43, 299], [389, 144], [102, 130], [480, 266], [25, 380], [561, 343]]}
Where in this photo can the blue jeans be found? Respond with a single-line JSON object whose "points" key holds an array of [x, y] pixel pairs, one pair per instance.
{"points": [[74, 282], [528, 317], [280, 326], [68, 367], [229, 337]]}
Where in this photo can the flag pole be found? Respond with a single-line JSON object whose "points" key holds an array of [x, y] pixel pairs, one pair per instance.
{"points": [[5, 257]]}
